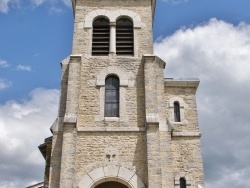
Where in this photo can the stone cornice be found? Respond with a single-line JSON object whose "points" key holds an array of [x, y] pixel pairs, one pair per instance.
{"points": [[153, 5], [111, 129], [194, 82], [186, 134]]}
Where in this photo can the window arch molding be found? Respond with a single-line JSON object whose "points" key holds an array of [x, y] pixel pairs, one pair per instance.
{"points": [[182, 107], [185, 176], [99, 17], [126, 80], [112, 16], [123, 16], [124, 76]]}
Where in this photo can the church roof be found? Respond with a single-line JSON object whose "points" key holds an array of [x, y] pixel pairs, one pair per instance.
{"points": [[43, 147], [38, 185]]}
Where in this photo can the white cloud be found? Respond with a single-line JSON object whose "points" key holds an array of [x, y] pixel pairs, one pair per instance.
{"points": [[23, 68], [38, 2], [5, 5], [36, 55], [4, 84], [23, 126], [55, 5], [67, 3], [4, 63], [55, 10], [52, 2], [218, 53]]}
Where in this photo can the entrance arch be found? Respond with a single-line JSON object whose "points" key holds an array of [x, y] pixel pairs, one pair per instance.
{"points": [[111, 173], [111, 184]]}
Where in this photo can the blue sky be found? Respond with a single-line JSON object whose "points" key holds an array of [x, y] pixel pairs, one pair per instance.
{"points": [[37, 39], [208, 39], [189, 13]]}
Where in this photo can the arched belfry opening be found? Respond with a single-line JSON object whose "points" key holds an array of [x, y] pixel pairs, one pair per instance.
{"points": [[124, 37], [101, 34], [111, 184]]}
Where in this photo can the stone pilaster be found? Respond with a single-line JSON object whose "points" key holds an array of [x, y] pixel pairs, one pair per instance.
{"points": [[69, 126], [68, 156], [55, 163], [153, 87], [57, 129], [112, 48], [73, 88]]}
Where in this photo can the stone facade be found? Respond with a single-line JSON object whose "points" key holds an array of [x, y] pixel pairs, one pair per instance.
{"points": [[142, 148]]}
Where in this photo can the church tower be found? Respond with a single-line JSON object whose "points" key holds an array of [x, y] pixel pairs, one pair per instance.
{"points": [[120, 123]]}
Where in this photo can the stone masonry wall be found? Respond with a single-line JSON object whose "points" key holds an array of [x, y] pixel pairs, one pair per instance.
{"points": [[187, 94], [89, 99], [185, 146], [83, 37], [187, 159], [83, 142], [130, 152]]}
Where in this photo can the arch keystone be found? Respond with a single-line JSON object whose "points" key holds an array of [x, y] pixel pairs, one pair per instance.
{"points": [[111, 171]]}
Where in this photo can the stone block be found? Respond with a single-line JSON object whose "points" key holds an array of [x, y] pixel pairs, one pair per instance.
{"points": [[111, 171]]}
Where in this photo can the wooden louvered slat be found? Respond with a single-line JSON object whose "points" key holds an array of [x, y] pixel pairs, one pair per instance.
{"points": [[101, 35], [124, 37]]}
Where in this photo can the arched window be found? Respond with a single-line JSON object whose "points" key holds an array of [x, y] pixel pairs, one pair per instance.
{"points": [[177, 115], [112, 96], [182, 183], [100, 39], [124, 37]]}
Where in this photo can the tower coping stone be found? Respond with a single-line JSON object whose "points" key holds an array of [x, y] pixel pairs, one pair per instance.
{"points": [[192, 82], [156, 58], [153, 3]]}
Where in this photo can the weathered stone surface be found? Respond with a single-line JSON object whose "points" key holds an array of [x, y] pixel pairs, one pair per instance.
{"points": [[151, 149]]}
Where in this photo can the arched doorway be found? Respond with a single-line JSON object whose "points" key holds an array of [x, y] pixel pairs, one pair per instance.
{"points": [[101, 177], [111, 184]]}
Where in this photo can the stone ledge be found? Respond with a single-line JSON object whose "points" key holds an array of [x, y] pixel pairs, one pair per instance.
{"points": [[70, 118], [194, 82], [112, 129], [182, 123], [187, 134], [152, 118], [75, 56]]}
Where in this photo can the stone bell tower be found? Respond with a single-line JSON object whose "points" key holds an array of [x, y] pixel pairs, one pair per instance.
{"points": [[120, 123]]}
